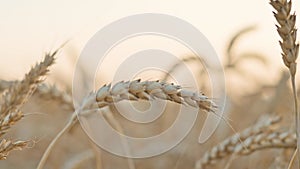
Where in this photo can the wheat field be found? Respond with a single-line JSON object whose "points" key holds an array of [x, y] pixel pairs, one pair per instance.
{"points": [[39, 126]]}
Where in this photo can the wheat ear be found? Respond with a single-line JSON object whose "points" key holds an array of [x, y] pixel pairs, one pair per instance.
{"points": [[290, 49], [51, 92], [148, 90], [18, 93], [46, 92], [232, 145], [133, 90], [6, 146]]}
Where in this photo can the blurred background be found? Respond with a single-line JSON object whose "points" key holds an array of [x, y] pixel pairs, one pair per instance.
{"points": [[256, 87], [30, 28]]}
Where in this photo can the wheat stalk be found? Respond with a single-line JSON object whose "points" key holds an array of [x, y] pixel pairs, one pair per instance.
{"points": [[290, 49], [134, 91], [251, 140]]}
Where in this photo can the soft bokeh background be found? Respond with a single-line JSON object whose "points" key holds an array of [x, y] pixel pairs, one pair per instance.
{"points": [[30, 28]]}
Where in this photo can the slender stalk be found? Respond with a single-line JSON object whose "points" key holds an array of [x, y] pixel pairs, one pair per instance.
{"points": [[297, 117], [292, 159], [67, 127], [124, 142]]}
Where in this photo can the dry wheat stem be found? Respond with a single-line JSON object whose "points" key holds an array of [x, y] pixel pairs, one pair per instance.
{"points": [[253, 138], [72, 121], [133, 90], [290, 49]]}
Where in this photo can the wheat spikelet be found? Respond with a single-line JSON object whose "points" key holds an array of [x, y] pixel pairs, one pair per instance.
{"points": [[9, 120], [147, 90], [18, 93], [288, 33], [253, 138], [6, 146]]}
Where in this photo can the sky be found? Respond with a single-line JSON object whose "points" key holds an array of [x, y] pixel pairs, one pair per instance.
{"points": [[30, 28]]}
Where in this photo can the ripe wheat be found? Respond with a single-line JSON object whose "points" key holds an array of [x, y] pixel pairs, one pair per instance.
{"points": [[133, 90], [13, 99], [254, 138], [290, 49]]}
